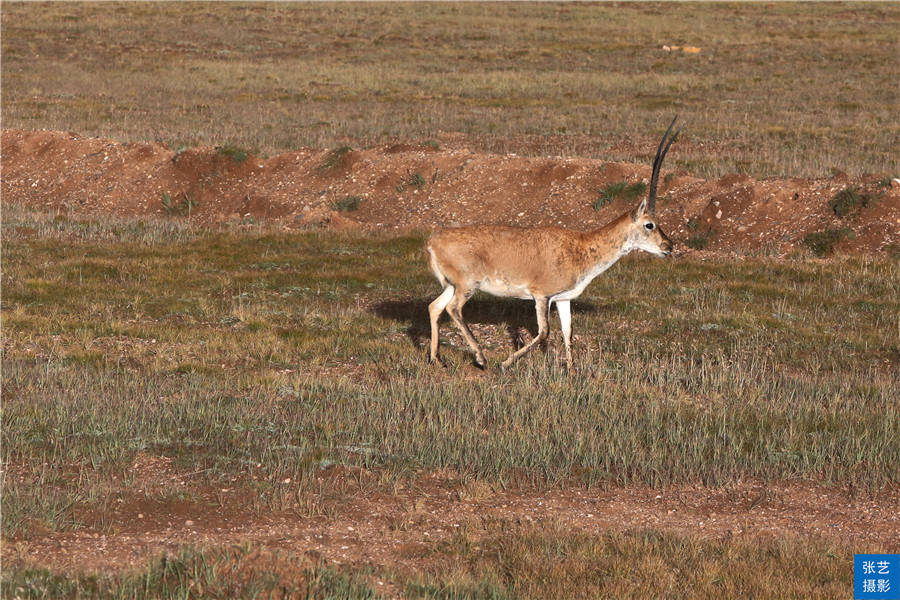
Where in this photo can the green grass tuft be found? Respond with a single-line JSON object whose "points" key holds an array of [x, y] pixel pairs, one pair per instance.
{"points": [[348, 203], [235, 153], [822, 243], [620, 189], [699, 241], [182, 207], [334, 158], [848, 200]]}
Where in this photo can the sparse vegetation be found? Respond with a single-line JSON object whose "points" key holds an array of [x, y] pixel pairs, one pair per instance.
{"points": [[194, 573], [348, 203], [699, 241], [508, 560], [124, 307], [334, 158], [182, 207], [620, 189], [822, 243], [235, 153], [848, 200], [545, 94], [262, 278], [550, 563]]}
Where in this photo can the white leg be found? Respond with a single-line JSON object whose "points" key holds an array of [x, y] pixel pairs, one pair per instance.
{"points": [[434, 311], [565, 322]]}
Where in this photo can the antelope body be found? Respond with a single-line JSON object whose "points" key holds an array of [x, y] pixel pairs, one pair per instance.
{"points": [[545, 264]]}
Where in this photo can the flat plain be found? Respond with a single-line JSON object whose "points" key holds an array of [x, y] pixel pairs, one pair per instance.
{"points": [[241, 407]]}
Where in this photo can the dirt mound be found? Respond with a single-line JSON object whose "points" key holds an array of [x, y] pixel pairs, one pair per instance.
{"points": [[411, 187]]}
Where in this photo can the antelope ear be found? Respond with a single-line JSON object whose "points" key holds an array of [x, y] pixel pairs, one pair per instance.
{"points": [[638, 212]]}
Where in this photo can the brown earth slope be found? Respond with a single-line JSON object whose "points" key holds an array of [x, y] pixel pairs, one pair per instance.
{"points": [[405, 187]]}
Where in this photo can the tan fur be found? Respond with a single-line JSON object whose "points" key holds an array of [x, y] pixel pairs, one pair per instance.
{"points": [[546, 264]]}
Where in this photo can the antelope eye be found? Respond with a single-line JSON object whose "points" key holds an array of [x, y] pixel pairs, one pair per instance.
{"points": [[649, 226]]}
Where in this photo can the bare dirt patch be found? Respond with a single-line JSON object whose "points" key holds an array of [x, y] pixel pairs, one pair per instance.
{"points": [[408, 187], [373, 526]]}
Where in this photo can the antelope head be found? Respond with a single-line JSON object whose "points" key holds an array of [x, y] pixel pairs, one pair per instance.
{"points": [[645, 234]]}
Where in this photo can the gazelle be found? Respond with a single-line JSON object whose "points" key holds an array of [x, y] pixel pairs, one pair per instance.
{"points": [[545, 264]]}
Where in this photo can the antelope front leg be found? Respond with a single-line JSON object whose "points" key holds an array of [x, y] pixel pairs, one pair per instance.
{"points": [[565, 322], [541, 307], [454, 309]]}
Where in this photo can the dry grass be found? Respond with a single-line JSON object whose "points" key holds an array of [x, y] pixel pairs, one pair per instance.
{"points": [[195, 573], [237, 347], [511, 561], [506, 561], [771, 93]]}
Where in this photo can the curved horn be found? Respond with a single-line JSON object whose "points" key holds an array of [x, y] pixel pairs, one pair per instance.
{"points": [[657, 163]]}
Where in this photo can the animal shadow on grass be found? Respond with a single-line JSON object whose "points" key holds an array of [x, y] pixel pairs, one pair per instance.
{"points": [[515, 315]]}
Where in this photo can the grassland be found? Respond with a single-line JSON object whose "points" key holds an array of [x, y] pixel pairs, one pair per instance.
{"points": [[236, 353], [783, 88], [550, 563], [250, 356]]}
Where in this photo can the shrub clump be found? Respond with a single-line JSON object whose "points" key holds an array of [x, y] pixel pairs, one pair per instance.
{"points": [[334, 158], [698, 242], [621, 189], [235, 153], [175, 207], [848, 200], [348, 203], [822, 242]]}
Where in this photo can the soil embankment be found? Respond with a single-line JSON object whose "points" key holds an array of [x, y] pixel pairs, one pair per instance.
{"points": [[407, 187]]}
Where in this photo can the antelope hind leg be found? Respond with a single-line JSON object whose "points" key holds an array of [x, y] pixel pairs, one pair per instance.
{"points": [[434, 312], [541, 308]]}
